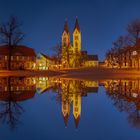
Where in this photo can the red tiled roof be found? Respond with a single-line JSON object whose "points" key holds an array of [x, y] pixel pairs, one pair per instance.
{"points": [[17, 50]]}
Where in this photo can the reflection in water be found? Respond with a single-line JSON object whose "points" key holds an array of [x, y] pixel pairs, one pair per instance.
{"points": [[69, 92], [126, 97], [14, 90]]}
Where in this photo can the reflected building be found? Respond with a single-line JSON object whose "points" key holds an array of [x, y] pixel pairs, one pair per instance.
{"points": [[70, 93], [125, 95], [13, 90]]}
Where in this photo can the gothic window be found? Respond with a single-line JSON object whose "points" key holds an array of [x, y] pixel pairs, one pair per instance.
{"points": [[64, 39], [76, 37]]}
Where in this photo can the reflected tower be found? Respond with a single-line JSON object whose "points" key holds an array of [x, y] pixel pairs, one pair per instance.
{"points": [[76, 108]]}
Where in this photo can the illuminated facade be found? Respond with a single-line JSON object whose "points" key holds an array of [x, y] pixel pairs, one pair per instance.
{"points": [[17, 88], [128, 57], [72, 55], [21, 58], [44, 62], [70, 91]]}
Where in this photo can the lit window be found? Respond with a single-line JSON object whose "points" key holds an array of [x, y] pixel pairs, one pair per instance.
{"points": [[5, 57], [11, 57], [135, 95], [17, 57], [134, 53]]}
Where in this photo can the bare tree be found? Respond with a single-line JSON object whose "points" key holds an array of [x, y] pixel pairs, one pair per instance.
{"points": [[134, 30], [122, 42], [10, 110], [57, 52], [11, 35]]}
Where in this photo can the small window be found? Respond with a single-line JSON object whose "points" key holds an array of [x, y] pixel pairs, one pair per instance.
{"points": [[134, 53], [17, 57], [11, 57], [6, 57]]}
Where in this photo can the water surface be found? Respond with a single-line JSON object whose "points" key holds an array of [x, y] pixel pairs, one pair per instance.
{"points": [[57, 108]]}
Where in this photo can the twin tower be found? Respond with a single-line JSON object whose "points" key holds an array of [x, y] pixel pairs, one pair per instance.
{"points": [[66, 42]]}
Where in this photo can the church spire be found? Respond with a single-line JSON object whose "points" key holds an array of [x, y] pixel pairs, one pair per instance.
{"points": [[66, 119], [77, 25], [66, 26], [76, 120]]}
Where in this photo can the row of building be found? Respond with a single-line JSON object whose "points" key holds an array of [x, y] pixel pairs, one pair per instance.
{"points": [[23, 57], [128, 57]]}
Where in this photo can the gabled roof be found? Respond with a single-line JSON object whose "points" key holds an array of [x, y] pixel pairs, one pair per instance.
{"points": [[47, 57], [17, 50], [77, 25]]}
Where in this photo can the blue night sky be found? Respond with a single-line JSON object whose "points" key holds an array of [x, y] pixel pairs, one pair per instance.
{"points": [[101, 21]]}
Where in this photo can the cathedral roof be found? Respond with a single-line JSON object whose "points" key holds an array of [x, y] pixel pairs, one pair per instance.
{"points": [[66, 27], [66, 119], [76, 120], [77, 25]]}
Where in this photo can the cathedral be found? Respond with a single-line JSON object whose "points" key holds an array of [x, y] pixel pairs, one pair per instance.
{"points": [[72, 55]]}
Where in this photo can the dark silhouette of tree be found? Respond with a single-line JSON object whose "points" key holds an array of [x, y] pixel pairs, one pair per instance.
{"points": [[134, 119], [125, 103], [11, 35], [122, 42], [134, 30], [10, 110]]}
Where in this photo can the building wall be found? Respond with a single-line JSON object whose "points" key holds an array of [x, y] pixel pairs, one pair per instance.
{"points": [[18, 62], [91, 63]]}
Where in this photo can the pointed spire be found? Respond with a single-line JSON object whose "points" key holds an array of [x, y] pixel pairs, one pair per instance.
{"points": [[66, 26], [77, 25], [66, 119], [76, 120]]}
